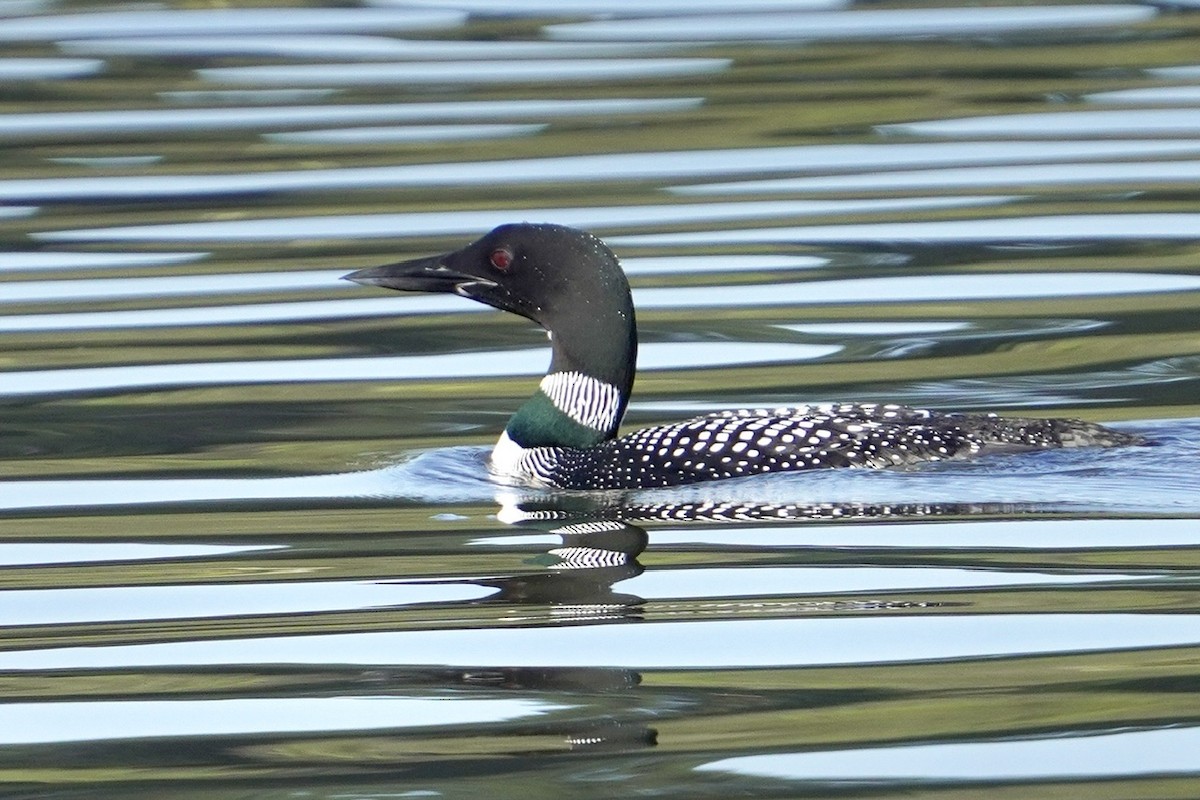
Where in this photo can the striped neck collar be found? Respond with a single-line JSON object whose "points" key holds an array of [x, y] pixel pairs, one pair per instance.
{"points": [[570, 409]]}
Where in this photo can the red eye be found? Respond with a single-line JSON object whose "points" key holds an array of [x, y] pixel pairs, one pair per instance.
{"points": [[501, 259]]}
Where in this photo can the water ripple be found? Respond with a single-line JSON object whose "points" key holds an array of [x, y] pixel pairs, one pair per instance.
{"points": [[464, 72], [1057, 228], [47, 69], [660, 645], [433, 223], [675, 165], [327, 47], [1139, 122], [488, 363], [67, 125], [857, 24], [65, 721], [1103, 755], [102, 24], [1137, 174]]}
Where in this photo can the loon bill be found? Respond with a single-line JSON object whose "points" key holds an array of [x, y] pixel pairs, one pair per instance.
{"points": [[565, 436]]}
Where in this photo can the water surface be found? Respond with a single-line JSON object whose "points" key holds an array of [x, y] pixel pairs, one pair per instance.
{"points": [[248, 546]]}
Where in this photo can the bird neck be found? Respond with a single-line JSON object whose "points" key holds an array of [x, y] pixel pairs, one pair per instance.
{"points": [[583, 397]]}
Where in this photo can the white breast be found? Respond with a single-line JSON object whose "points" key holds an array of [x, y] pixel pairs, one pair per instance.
{"points": [[516, 465]]}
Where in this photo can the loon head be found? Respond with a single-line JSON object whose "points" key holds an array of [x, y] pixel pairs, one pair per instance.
{"points": [[571, 284], [551, 274]]}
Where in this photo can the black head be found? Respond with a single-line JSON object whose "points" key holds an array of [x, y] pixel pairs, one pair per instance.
{"points": [[564, 279], [547, 273]]}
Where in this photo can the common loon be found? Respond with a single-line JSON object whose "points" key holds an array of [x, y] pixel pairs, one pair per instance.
{"points": [[565, 436]]}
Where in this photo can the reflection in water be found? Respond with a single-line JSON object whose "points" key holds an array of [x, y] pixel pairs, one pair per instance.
{"points": [[910, 289], [621, 8], [170, 22], [326, 47], [225, 97], [973, 178], [590, 558], [1170, 95], [111, 603], [412, 133], [662, 645], [464, 72], [72, 291], [1185, 72], [108, 162], [1079, 227], [775, 581], [417, 223], [479, 364], [47, 69], [693, 265], [93, 125], [1057, 389], [1102, 755], [952, 536], [677, 165], [242, 314], [39, 723], [17, 554], [840, 329], [857, 24], [897, 333], [1056, 124]]}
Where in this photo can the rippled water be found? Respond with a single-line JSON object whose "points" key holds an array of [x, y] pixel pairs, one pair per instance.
{"points": [[247, 542]]}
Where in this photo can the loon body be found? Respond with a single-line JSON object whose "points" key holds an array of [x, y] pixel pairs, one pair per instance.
{"points": [[565, 436]]}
